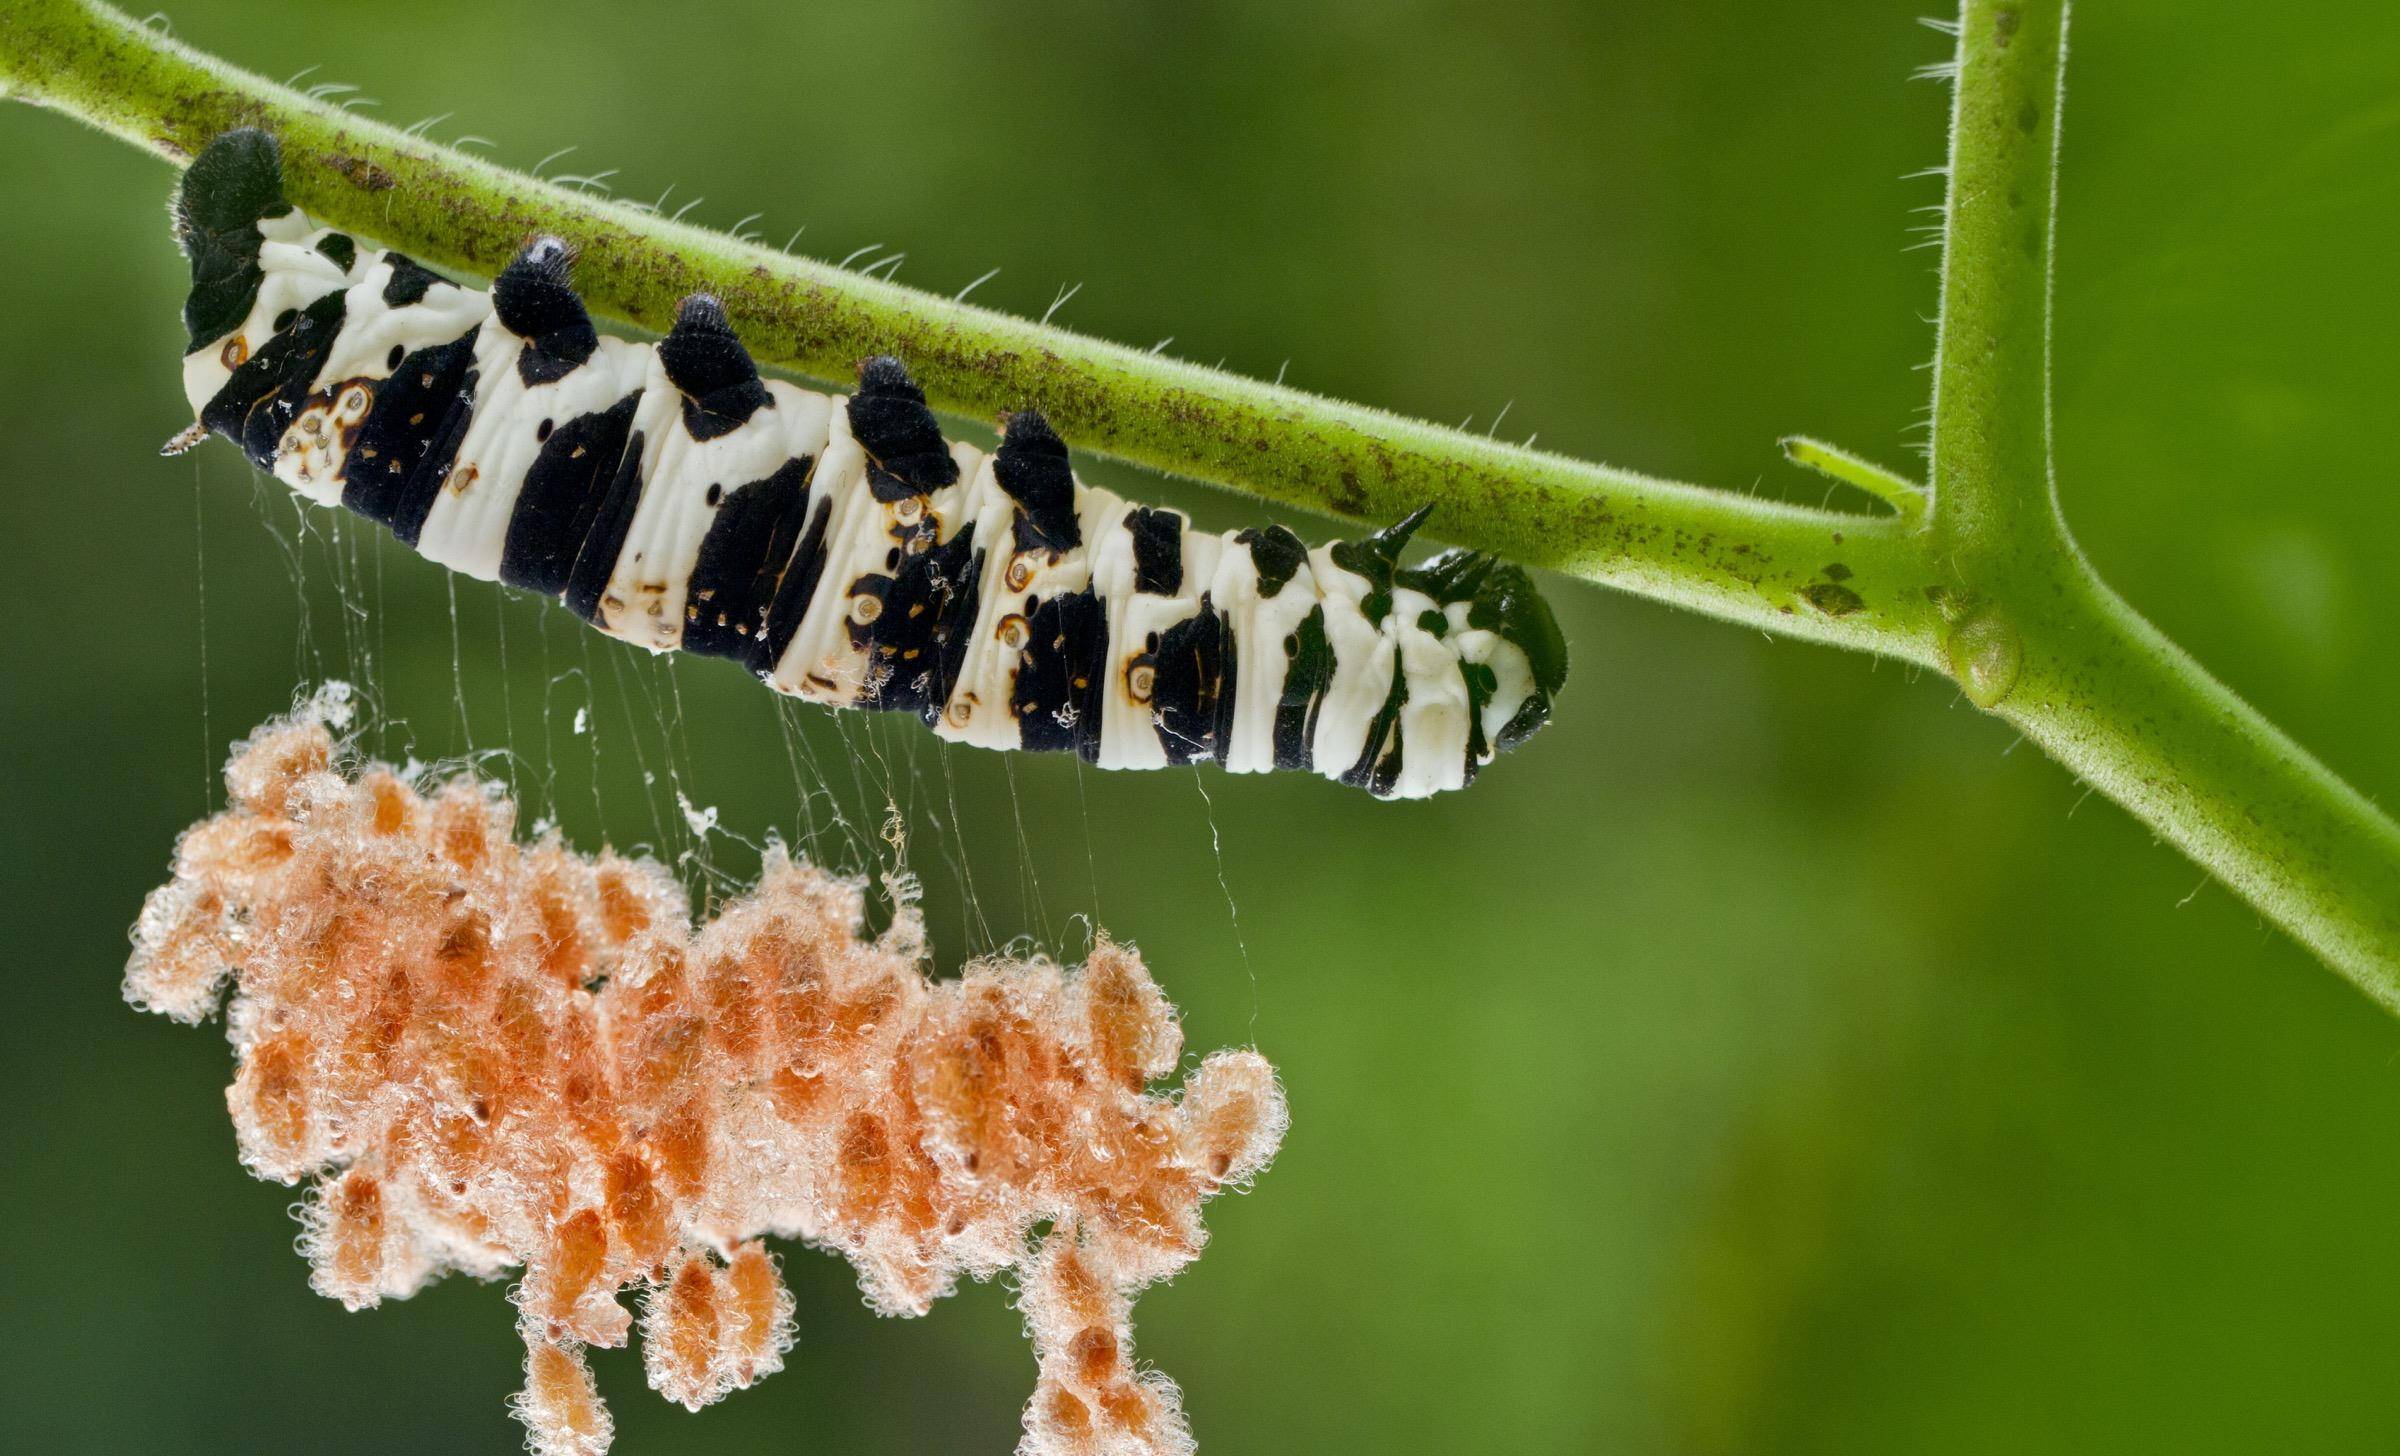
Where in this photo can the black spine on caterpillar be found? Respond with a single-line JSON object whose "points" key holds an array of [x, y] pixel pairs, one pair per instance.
{"points": [[839, 549]]}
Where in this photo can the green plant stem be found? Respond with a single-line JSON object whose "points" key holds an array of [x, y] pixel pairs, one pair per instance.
{"points": [[1903, 495], [2108, 695], [1717, 552], [1991, 375], [1985, 585], [2035, 634]]}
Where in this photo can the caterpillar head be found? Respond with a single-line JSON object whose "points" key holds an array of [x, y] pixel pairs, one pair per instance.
{"points": [[1500, 598], [1509, 648]]}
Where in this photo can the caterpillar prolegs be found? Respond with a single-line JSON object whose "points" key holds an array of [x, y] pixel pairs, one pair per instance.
{"points": [[840, 549]]}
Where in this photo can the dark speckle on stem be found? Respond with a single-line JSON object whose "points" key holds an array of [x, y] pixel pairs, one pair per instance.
{"points": [[1832, 598], [1349, 498], [361, 173]]}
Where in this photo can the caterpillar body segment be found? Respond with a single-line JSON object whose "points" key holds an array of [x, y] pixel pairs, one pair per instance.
{"points": [[838, 548]]}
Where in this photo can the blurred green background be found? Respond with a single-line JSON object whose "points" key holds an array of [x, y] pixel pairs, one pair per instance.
{"points": [[1772, 1057]]}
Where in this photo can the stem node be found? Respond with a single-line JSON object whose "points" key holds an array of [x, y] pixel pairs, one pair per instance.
{"points": [[1985, 655]]}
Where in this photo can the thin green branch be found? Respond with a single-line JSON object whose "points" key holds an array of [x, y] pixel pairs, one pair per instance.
{"points": [[1983, 582], [1713, 551], [1906, 498]]}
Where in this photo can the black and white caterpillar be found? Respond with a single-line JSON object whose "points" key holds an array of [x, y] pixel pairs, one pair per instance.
{"points": [[838, 548]]}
